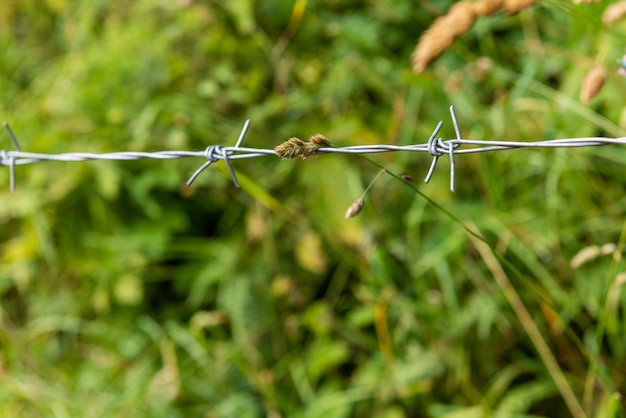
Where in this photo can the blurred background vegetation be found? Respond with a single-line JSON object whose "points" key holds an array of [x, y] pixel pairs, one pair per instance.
{"points": [[126, 294]]}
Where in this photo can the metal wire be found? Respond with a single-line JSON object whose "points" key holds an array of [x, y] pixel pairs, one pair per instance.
{"points": [[435, 146]]}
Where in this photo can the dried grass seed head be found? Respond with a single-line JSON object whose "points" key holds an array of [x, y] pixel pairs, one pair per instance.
{"points": [[514, 6], [295, 147], [440, 35], [320, 140], [307, 150], [487, 7], [614, 12], [291, 148], [355, 208], [592, 84]]}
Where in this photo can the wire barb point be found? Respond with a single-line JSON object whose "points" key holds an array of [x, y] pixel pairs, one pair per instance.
{"points": [[12, 136], [452, 146], [432, 150], [11, 160], [438, 147]]}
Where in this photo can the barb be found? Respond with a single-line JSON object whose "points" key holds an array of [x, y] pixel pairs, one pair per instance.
{"points": [[215, 153], [295, 147], [11, 158]]}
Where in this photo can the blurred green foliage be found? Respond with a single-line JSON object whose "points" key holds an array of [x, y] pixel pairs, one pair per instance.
{"points": [[126, 294]]}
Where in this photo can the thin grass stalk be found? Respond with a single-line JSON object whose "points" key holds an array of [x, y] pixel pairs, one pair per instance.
{"points": [[592, 373], [531, 329]]}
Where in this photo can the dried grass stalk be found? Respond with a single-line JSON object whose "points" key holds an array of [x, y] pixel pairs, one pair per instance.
{"points": [[592, 84], [614, 12], [442, 33], [590, 253]]}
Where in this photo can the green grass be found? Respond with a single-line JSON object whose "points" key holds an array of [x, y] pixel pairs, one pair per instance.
{"points": [[124, 293]]}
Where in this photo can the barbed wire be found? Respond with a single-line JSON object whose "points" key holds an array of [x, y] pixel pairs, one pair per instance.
{"points": [[295, 147]]}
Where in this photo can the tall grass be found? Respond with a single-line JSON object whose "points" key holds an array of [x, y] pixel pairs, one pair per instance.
{"points": [[123, 293]]}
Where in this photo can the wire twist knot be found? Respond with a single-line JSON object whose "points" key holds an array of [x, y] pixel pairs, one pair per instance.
{"points": [[214, 153], [438, 147]]}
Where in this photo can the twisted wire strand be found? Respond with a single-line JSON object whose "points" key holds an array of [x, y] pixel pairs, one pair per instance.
{"points": [[435, 146]]}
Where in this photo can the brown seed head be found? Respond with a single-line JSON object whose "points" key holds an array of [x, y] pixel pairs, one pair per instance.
{"points": [[442, 33], [355, 208], [295, 142], [592, 84], [291, 148], [295, 147], [486, 7], [614, 12], [320, 140], [514, 6], [307, 149]]}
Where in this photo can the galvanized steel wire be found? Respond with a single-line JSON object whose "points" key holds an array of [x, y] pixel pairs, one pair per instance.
{"points": [[436, 147]]}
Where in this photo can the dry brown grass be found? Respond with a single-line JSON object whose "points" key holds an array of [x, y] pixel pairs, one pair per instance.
{"points": [[459, 19], [614, 12], [442, 33], [514, 6], [487, 7]]}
